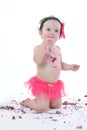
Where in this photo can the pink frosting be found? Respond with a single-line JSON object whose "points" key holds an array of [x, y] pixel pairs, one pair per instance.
{"points": [[53, 57]]}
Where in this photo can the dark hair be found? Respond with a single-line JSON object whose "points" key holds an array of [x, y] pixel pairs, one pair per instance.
{"points": [[42, 21]]}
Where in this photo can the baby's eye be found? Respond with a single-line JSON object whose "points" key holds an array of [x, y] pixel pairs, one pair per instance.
{"points": [[56, 30], [48, 29]]}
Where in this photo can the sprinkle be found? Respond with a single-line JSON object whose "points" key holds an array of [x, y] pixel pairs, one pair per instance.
{"points": [[79, 127], [54, 120], [37, 117]]}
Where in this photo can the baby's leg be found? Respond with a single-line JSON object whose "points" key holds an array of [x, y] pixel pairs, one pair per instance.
{"points": [[41, 103], [56, 103]]}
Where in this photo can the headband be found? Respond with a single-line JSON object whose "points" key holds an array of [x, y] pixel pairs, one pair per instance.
{"points": [[62, 31]]}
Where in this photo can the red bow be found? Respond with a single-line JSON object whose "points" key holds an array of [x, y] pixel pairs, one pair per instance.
{"points": [[62, 31]]}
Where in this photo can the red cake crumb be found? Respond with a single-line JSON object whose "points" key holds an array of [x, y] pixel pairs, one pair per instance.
{"points": [[7, 107], [13, 117], [69, 103], [85, 95], [58, 112]]}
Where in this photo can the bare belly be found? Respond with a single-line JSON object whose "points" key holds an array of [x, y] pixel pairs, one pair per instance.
{"points": [[48, 74]]}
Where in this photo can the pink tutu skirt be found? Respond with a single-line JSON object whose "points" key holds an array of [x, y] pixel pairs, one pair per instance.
{"points": [[52, 90]]}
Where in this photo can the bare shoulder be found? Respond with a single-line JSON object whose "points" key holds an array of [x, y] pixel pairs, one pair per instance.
{"points": [[36, 48], [58, 48]]}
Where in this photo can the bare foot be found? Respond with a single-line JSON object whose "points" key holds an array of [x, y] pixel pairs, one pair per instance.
{"points": [[25, 102]]}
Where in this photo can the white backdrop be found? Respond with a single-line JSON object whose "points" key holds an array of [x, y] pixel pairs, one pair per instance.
{"points": [[19, 34]]}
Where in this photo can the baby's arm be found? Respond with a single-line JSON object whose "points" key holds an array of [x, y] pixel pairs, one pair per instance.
{"points": [[65, 66], [39, 54], [73, 67]]}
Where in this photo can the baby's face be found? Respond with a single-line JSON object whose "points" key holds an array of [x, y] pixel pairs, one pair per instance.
{"points": [[51, 31]]}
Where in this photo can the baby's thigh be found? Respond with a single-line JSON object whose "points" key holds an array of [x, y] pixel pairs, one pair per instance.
{"points": [[56, 103]]}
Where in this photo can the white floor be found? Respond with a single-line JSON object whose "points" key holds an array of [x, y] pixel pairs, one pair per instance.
{"points": [[68, 117]]}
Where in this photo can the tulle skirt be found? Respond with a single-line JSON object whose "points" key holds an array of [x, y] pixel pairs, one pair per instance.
{"points": [[52, 90]]}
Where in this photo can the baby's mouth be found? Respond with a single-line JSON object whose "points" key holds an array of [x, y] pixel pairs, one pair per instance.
{"points": [[50, 36]]}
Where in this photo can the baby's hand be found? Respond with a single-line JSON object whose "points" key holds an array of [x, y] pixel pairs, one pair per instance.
{"points": [[75, 67], [47, 50]]}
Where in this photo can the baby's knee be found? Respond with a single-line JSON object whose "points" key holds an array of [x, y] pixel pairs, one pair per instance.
{"points": [[42, 108], [56, 104]]}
